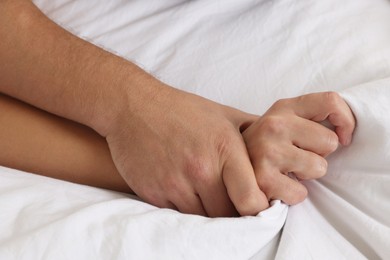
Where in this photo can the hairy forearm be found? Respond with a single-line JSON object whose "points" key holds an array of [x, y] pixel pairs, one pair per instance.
{"points": [[172, 148], [44, 65]]}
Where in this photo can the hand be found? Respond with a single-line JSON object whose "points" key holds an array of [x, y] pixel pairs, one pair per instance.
{"points": [[177, 150], [184, 152], [287, 139], [174, 150]]}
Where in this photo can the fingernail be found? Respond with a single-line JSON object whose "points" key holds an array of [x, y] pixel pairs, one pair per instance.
{"points": [[324, 166], [348, 140]]}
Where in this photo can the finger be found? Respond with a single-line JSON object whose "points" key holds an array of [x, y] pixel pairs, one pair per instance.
{"points": [[312, 136], [215, 199], [157, 199], [342, 130], [174, 193], [189, 203], [278, 186], [241, 185], [304, 164], [320, 106], [290, 191], [181, 194]]}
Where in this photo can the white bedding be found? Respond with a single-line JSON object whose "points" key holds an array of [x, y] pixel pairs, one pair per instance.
{"points": [[245, 54]]}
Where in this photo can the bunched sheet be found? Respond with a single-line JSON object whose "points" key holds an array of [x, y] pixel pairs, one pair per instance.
{"points": [[245, 54]]}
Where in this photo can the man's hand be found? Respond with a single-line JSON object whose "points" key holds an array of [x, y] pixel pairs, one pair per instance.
{"points": [[287, 139], [182, 151], [174, 149]]}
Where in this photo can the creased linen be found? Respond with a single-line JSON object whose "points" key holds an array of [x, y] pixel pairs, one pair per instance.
{"points": [[246, 54]]}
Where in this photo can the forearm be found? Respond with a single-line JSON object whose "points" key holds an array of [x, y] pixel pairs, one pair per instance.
{"points": [[36, 141], [47, 67]]}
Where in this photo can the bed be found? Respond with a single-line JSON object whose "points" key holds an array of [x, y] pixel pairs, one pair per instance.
{"points": [[246, 54]]}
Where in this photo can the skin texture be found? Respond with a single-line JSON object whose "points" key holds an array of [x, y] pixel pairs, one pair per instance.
{"points": [[287, 139], [62, 149], [197, 171], [173, 149]]}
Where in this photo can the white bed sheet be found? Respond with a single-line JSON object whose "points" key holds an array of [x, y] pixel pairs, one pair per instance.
{"points": [[246, 54]]}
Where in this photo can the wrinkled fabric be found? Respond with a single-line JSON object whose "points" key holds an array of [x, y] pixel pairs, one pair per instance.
{"points": [[245, 54]]}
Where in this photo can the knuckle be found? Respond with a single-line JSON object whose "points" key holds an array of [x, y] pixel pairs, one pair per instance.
{"points": [[199, 169], [268, 154], [266, 181], [332, 98], [274, 125], [281, 103]]}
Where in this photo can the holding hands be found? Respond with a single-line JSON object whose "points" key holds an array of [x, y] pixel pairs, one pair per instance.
{"points": [[172, 148], [187, 153]]}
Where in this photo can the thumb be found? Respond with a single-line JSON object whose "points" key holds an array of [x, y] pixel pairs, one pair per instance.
{"points": [[240, 182]]}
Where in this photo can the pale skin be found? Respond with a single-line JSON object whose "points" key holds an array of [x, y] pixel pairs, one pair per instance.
{"points": [[171, 148]]}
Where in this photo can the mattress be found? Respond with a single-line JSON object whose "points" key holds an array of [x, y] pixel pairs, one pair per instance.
{"points": [[246, 54]]}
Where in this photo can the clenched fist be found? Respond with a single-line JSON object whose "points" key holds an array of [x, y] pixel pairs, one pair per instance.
{"points": [[287, 140], [185, 152]]}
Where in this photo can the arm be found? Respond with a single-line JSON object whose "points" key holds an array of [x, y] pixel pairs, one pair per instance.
{"points": [[42, 143], [39, 142], [46, 66], [172, 148]]}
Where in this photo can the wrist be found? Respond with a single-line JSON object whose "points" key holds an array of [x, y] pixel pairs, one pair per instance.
{"points": [[133, 97]]}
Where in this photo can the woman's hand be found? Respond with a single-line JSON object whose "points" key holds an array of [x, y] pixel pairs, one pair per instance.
{"points": [[174, 149], [287, 139]]}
